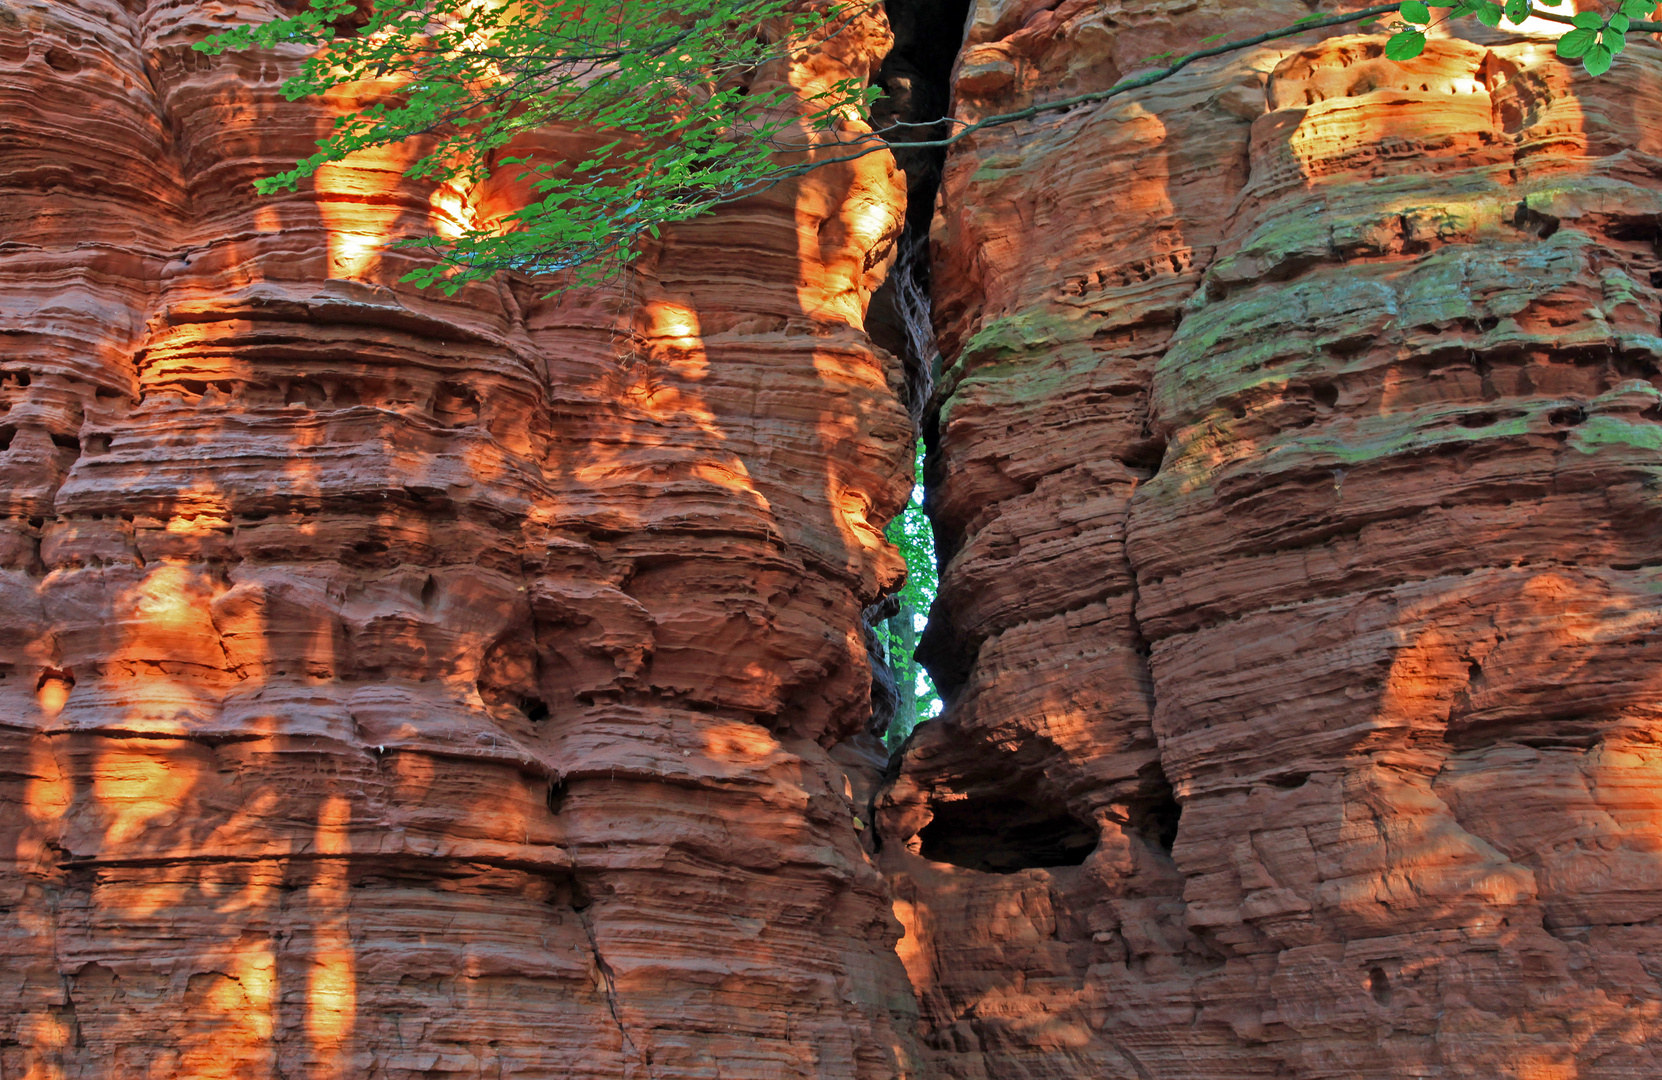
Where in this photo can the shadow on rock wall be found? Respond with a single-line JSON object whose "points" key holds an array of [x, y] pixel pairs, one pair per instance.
{"points": [[396, 685]]}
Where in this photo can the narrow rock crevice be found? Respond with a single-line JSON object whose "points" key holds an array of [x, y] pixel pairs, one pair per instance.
{"points": [[608, 984], [916, 80], [917, 93]]}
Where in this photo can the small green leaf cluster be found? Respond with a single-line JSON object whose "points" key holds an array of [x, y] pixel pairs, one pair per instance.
{"points": [[1594, 38], [913, 534], [670, 92], [1597, 38]]}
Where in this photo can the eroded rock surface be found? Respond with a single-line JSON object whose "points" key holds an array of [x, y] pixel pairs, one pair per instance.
{"points": [[397, 686], [1300, 470]]}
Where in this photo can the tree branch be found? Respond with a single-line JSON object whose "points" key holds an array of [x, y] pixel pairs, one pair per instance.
{"points": [[1126, 86], [1137, 83], [1644, 26]]}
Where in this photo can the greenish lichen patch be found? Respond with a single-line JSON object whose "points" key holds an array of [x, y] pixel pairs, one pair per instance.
{"points": [[1014, 341], [1619, 289], [1020, 333], [1369, 219], [998, 166], [1616, 431], [1591, 196], [1205, 450], [1318, 327], [1389, 216]]}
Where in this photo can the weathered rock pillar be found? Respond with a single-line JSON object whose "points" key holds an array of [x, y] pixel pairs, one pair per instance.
{"points": [[394, 685], [1300, 468]]}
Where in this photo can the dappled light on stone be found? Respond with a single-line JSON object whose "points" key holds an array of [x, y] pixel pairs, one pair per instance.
{"points": [[409, 685], [405, 685], [1294, 487]]}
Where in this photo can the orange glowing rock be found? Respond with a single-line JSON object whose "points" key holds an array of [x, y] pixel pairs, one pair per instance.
{"points": [[401, 685], [1301, 620]]}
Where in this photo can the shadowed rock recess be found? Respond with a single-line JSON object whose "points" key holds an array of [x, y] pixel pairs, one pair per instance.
{"points": [[402, 686]]}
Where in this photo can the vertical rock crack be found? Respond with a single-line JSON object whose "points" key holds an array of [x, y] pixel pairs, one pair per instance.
{"points": [[608, 983]]}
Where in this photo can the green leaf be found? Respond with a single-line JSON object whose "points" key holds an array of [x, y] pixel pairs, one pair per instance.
{"points": [[1597, 60], [1588, 20], [1415, 12], [1614, 42], [1517, 10], [1405, 45], [1576, 43], [1619, 24], [1638, 9], [1489, 14]]}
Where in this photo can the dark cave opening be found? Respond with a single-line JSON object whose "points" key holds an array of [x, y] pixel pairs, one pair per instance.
{"points": [[1003, 834], [1379, 985], [1156, 821]]}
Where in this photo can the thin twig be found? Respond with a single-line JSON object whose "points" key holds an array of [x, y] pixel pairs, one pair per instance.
{"points": [[1137, 83], [1644, 26], [1149, 79]]}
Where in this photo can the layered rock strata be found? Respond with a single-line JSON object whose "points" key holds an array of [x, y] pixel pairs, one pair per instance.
{"points": [[1300, 472], [394, 685]]}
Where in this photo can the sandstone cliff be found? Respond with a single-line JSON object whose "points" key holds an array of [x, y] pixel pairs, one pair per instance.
{"points": [[401, 686]]}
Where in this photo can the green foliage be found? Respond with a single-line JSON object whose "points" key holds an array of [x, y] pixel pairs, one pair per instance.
{"points": [[676, 98], [915, 537], [1594, 38], [668, 91]]}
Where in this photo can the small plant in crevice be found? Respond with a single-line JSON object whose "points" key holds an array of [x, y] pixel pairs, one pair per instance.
{"points": [[912, 533]]}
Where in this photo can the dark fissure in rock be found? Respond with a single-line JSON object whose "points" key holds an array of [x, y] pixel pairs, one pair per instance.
{"points": [[1154, 813], [916, 80], [1003, 834]]}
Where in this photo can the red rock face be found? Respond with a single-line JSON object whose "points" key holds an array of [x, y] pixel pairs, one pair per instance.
{"points": [[396, 686], [1299, 465]]}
